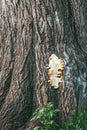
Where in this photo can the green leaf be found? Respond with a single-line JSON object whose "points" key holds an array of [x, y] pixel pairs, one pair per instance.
{"points": [[34, 118], [37, 128]]}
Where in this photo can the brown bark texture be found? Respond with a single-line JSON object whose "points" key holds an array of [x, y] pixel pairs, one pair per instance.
{"points": [[30, 31]]}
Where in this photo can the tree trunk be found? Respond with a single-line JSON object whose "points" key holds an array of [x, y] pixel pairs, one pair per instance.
{"points": [[30, 31]]}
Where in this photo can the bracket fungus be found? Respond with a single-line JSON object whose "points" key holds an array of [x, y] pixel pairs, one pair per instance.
{"points": [[55, 70]]}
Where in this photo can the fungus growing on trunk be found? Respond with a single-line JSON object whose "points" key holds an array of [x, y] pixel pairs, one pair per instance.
{"points": [[55, 70]]}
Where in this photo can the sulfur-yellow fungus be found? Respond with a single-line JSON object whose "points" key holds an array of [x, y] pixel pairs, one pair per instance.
{"points": [[55, 69]]}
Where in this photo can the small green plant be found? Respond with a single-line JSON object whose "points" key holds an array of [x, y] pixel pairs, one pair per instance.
{"points": [[71, 126], [45, 115], [79, 122]]}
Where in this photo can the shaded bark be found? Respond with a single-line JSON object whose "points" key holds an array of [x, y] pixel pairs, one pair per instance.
{"points": [[30, 31]]}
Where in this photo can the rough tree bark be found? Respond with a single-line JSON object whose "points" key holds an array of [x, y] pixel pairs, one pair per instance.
{"points": [[30, 31]]}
